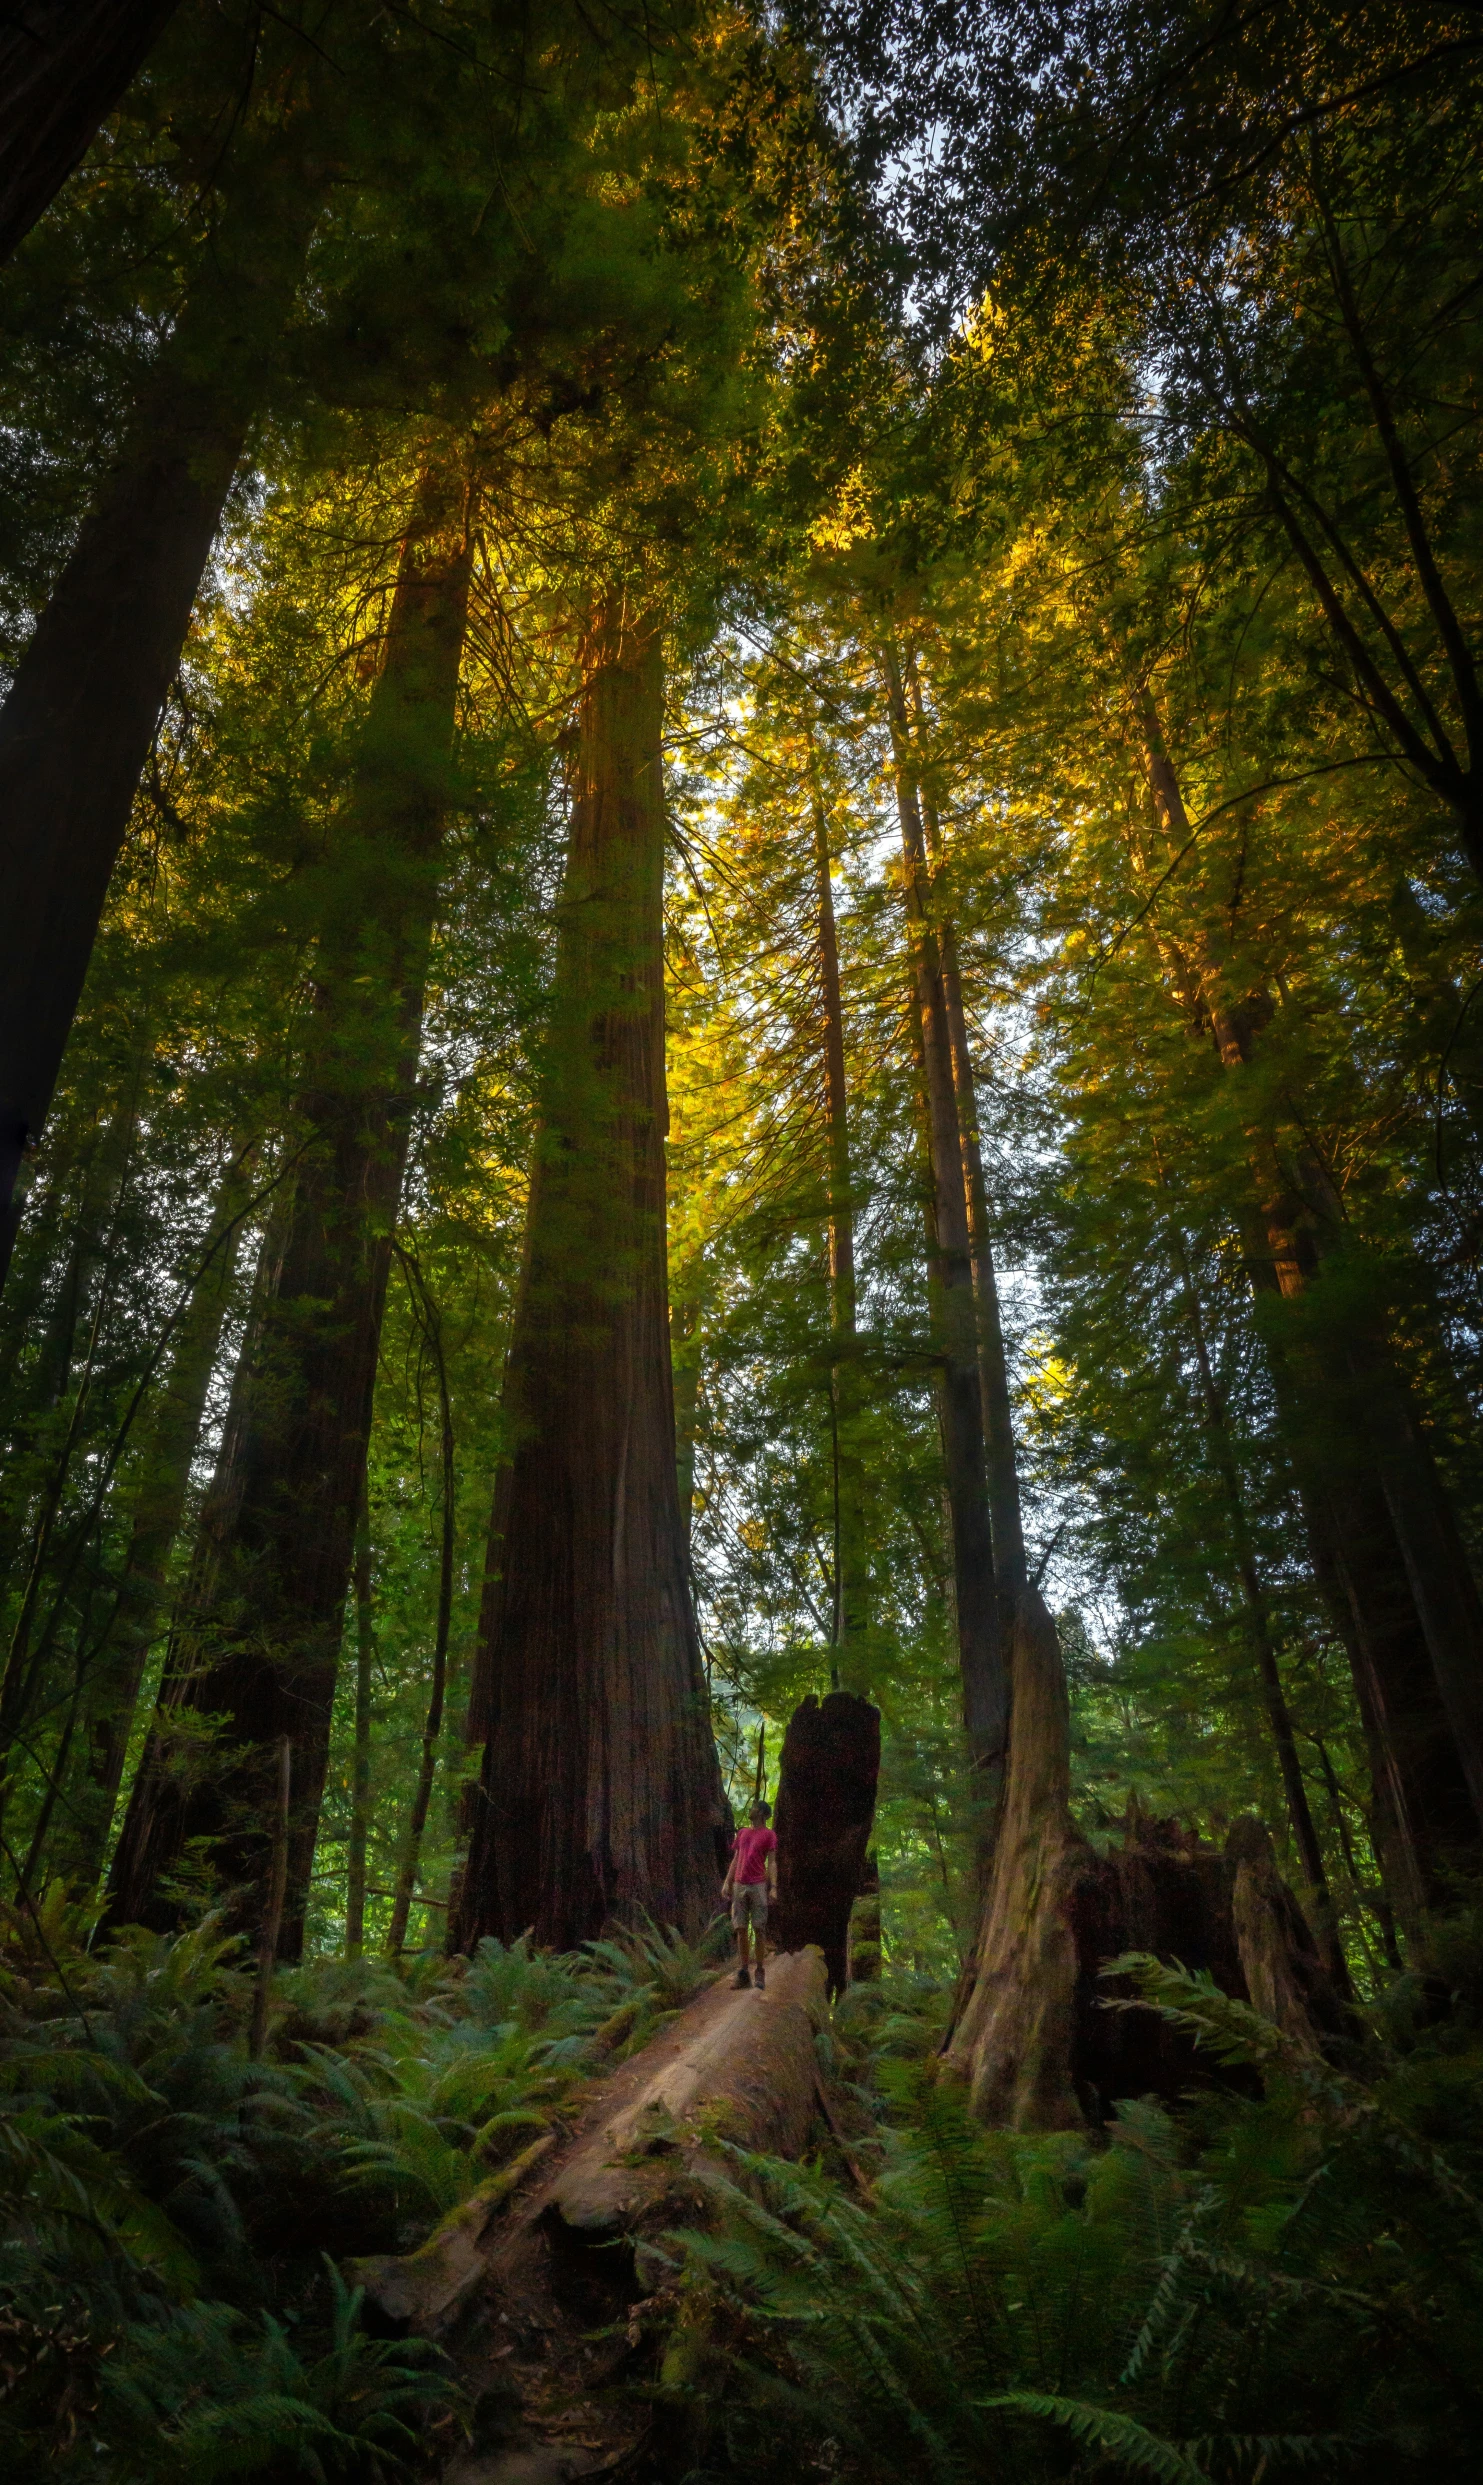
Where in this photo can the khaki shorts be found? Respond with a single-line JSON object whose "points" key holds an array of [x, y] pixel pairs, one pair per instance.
{"points": [[749, 1901]]}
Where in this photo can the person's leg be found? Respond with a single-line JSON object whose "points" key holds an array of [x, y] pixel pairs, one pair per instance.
{"points": [[759, 1939], [739, 1927]]}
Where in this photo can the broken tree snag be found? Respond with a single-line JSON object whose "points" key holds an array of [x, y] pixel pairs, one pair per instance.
{"points": [[1014, 2039], [1034, 2039], [530, 2285], [1166, 1893], [1284, 1971], [827, 1782]]}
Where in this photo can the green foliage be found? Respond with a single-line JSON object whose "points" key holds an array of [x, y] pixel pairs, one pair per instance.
{"points": [[354, 2410], [166, 2203], [1290, 2285]]}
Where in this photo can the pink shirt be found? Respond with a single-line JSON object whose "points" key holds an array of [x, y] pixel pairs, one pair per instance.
{"points": [[749, 1856]]}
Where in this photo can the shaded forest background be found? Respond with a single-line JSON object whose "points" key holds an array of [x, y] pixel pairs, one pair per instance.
{"points": [[1020, 468]]}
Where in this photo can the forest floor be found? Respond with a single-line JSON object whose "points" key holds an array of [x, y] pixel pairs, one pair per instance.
{"points": [[708, 2235]]}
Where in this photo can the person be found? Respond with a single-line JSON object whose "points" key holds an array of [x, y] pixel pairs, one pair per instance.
{"points": [[751, 1880]]}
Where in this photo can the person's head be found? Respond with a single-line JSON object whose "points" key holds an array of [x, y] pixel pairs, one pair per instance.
{"points": [[761, 1815]]}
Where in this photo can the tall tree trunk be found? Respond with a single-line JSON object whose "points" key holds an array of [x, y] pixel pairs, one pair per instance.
{"points": [[981, 1649], [53, 1550], [1264, 1655], [154, 1504], [179, 1748], [431, 1324], [1011, 1569], [599, 1794], [76, 728], [1380, 1527], [851, 1664], [285, 1539], [360, 1768], [64, 64]]}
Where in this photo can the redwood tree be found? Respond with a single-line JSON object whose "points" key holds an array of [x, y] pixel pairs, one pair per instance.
{"points": [[262, 1645], [599, 1794], [1383, 1538], [981, 1636], [63, 66], [81, 713]]}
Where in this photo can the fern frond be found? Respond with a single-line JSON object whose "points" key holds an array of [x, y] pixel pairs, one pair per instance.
{"points": [[1116, 2437]]}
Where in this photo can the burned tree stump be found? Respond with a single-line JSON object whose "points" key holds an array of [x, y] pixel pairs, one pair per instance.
{"points": [[1280, 1959], [826, 1807], [1034, 2039]]}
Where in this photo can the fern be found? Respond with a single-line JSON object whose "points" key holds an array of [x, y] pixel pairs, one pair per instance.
{"points": [[1118, 2438]]}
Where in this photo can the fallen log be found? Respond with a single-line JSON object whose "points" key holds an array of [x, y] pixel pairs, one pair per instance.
{"points": [[534, 2292]]}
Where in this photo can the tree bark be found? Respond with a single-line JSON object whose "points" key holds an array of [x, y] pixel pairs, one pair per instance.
{"points": [[1014, 2039], [827, 1779], [64, 64], [599, 1793], [1286, 1976], [960, 1411], [1011, 1570], [851, 1655], [76, 727], [285, 1530]]}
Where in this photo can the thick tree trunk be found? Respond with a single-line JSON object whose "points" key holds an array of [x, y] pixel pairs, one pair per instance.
{"points": [[285, 1531], [960, 1411], [851, 1545], [76, 728], [64, 64], [827, 1779], [599, 1793]]}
